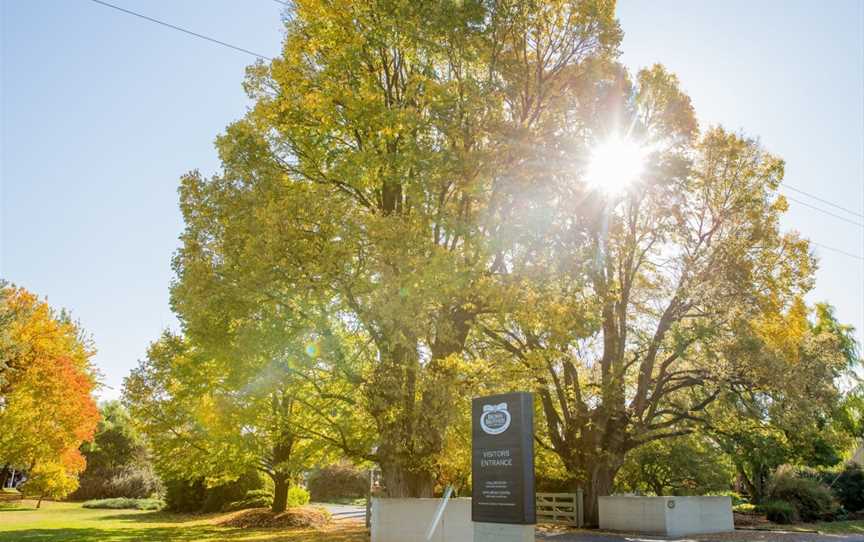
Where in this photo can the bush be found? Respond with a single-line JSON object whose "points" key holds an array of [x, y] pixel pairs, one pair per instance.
{"points": [[297, 496], [780, 512], [849, 488], [256, 498], [184, 495], [745, 508], [125, 504], [812, 500], [132, 481], [338, 482], [193, 495]]}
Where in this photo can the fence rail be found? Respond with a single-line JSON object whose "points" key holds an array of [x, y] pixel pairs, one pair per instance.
{"points": [[560, 508]]}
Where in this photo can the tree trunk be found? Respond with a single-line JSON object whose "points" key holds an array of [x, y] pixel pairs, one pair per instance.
{"points": [[39, 502], [4, 476], [280, 493], [602, 476], [400, 482]]}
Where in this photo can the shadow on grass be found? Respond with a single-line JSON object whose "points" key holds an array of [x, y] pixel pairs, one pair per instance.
{"points": [[181, 534], [154, 517]]}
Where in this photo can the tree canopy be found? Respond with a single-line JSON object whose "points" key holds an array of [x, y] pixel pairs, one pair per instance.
{"points": [[46, 404], [406, 216]]}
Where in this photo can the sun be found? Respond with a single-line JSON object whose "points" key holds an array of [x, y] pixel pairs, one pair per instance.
{"points": [[615, 164]]}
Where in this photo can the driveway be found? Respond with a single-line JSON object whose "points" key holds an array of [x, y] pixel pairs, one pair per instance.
{"points": [[344, 512]]}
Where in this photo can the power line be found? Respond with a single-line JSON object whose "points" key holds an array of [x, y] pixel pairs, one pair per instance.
{"points": [[820, 245], [825, 201], [804, 203], [174, 27]]}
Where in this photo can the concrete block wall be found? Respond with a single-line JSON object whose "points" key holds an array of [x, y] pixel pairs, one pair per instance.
{"points": [[407, 520], [672, 516]]}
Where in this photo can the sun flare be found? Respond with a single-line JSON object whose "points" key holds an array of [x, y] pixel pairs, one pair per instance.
{"points": [[615, 164]]}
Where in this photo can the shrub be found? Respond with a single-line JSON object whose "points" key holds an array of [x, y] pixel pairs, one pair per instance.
{"points": [[812, 500], [337, 482], [256, 498], [744, 508], [849, 488], [297, 496], [194, 495], [125, 504], [132, 481], [184, 495], [780, 512]]}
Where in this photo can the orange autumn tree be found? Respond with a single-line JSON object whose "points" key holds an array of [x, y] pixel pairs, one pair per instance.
{"points": [[46, 383]]}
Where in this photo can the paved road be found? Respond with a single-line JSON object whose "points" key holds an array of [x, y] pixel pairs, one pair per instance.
{"points": [[344, 512], [738, 536]]}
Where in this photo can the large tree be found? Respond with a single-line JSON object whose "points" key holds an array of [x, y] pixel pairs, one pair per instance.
{"points": [[793, 410], [635, 305], [368, 184]]}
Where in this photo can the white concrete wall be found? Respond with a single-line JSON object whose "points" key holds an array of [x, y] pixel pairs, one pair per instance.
{"points": [[674, 516], [407, 520], [699, 515]]}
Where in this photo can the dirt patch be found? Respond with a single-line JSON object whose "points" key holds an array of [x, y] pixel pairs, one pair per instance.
{"points": [[753, 521], [294, 518]]}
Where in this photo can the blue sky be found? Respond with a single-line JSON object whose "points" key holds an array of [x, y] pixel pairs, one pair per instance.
{"points": [[102, 112]]}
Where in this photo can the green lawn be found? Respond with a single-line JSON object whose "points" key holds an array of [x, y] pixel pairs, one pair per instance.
{"points": [[69, 522], [841, 527]]}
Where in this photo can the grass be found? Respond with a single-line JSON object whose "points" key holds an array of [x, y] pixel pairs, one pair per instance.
{"points": [[839, 527], [125, 504], [70, 522]]}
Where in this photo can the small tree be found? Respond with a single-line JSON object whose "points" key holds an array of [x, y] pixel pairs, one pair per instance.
{"points": [[52, 480]]}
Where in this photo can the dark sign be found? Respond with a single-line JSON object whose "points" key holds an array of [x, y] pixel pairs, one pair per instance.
{"points": [[502, 464]]}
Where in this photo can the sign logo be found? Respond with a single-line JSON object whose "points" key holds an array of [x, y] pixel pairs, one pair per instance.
{"points": [[495, 419]]}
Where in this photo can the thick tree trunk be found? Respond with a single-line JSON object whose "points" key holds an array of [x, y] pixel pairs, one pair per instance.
{"points": [[602, 477], [4, 476], [280, 493], [401, 482]]}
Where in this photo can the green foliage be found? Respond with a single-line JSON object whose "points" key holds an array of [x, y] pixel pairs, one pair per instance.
{"points": [[255, 498], [356, 207], [687, 465], [794, 411], [212, 416], [849, 487], [297, 496], [184, 495], [118, 461], [780, 512], [122, 503], [218, 496], [813, 500], [744, 508], [338, 481], [737, 498]]}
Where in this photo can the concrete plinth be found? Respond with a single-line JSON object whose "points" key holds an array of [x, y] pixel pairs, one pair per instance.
{"points": [[672, 516], [499, 532]]}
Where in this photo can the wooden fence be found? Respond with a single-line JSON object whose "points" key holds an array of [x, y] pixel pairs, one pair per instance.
{"points": [[560, 508]]}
